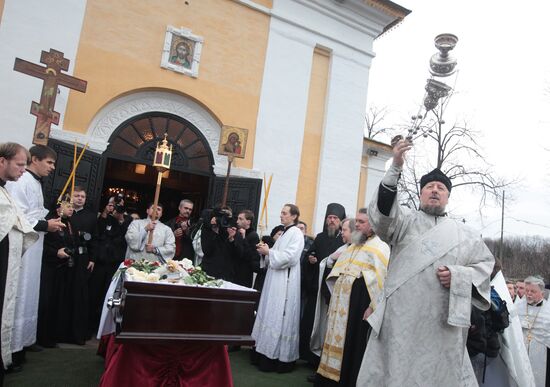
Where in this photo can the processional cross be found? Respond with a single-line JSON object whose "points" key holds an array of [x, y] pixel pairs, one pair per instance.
{"points": [[51, 74]]}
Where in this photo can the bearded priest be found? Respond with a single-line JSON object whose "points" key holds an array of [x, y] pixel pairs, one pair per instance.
{"points": [[438, 269], [355, 282]]}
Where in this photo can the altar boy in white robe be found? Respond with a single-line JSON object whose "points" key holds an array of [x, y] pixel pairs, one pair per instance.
{"points": [[27, 193], [163, 246], [276, 329]]}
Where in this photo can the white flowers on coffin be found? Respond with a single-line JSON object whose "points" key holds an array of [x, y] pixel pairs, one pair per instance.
{"points": [[176, 272]]}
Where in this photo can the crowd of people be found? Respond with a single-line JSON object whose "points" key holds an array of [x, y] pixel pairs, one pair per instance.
{"points": [[389, 297]]}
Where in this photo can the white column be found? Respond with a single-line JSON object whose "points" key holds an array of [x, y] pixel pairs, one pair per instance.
{"points": [[282, 113], [28, 27]]}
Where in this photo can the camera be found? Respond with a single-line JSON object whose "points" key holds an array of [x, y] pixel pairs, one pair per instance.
{"points": [[70, 252], [224, 219], [81, 248], [119, 204]]}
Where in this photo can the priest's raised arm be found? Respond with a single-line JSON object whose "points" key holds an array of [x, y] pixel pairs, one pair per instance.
{"points": [[438, 268]]}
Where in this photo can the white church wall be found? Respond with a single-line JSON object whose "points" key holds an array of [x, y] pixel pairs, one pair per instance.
{"points": [[297, 27], [340, 162], [28, 27], [376, 168], [282, 113]]}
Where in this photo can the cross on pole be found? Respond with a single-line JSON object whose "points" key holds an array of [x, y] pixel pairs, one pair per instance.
{"points": [[52, 76]]}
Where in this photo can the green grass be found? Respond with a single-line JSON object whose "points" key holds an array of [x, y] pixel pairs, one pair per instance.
{"points": [[75, 366]]}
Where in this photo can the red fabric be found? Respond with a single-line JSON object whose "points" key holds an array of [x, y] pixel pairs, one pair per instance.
{"points": [[181, 364]]}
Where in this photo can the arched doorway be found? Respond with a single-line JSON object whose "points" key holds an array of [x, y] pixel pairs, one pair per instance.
{"points": [[128, 160], [110, 148]]}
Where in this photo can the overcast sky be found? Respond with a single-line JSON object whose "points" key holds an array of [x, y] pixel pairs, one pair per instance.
{"points": [[503, 91]]}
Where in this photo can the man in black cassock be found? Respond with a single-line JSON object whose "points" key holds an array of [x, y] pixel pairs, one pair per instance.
{"points": [[325, 243]]}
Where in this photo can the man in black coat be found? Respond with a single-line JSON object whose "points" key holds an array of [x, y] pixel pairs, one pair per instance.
{"points": [[250, 258], [218, 245], [325, 243], [110, 251], [181, 225]]}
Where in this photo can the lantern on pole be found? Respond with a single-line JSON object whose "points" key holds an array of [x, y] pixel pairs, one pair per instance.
{"points": [[161, 161]]}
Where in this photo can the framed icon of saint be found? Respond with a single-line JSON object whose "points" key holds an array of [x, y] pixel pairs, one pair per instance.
{"points": [[182, 51], [233, 141]]}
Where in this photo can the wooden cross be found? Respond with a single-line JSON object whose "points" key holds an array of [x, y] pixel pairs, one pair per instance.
{"points": [[52, 76]]}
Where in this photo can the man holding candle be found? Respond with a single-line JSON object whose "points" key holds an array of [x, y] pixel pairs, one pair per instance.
{"points": [[16, 236], [27, 193], [276, 329]]}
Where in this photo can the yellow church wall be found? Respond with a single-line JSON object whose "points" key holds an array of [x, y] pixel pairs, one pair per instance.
{"points": [[1, 10], [265, 3], [121, 47], [362, 183], [313, 132]]}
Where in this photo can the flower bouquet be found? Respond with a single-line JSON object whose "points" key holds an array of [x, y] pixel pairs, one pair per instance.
{"points": [[177, 272]]}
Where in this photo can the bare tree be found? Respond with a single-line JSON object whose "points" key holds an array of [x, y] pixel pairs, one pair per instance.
{"points": [[455, 150], [523, 256], [373, 120]]}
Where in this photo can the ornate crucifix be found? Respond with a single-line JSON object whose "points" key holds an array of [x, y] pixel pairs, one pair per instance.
{"points": [[52, 76]]}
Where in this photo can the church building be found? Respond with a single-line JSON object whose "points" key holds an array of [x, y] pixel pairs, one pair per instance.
{"points": [[289, 76]]}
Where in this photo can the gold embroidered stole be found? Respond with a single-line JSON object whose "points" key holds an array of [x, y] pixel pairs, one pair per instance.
{"points": [[354, 262]]}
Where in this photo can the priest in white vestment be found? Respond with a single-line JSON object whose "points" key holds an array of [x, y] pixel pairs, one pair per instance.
{"points": [[163, 246], [534, 314], [438, 268], [16, 236], [27, 193], [276, 329]]}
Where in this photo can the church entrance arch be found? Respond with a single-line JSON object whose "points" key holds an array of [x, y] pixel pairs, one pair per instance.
{"points": [[121, 139], [128, 160]]}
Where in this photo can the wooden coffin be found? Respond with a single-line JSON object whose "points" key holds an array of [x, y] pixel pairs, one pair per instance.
{"points": [[149, 312]]}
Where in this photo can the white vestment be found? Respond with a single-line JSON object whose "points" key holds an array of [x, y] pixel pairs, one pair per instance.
{"points": [[511, 367], [535, 321], [137, 237], [277, 325], [419, 328], [21, 237], [27, 193]]}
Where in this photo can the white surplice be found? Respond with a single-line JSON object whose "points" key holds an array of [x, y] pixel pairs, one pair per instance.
{"points": [[511, 368], [27, 193], [277, 325], [535, 322], [137, 236], [21, 236]]}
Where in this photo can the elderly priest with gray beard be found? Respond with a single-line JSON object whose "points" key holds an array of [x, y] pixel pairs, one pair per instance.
{"points": [[534, 314], [438, 269]]}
